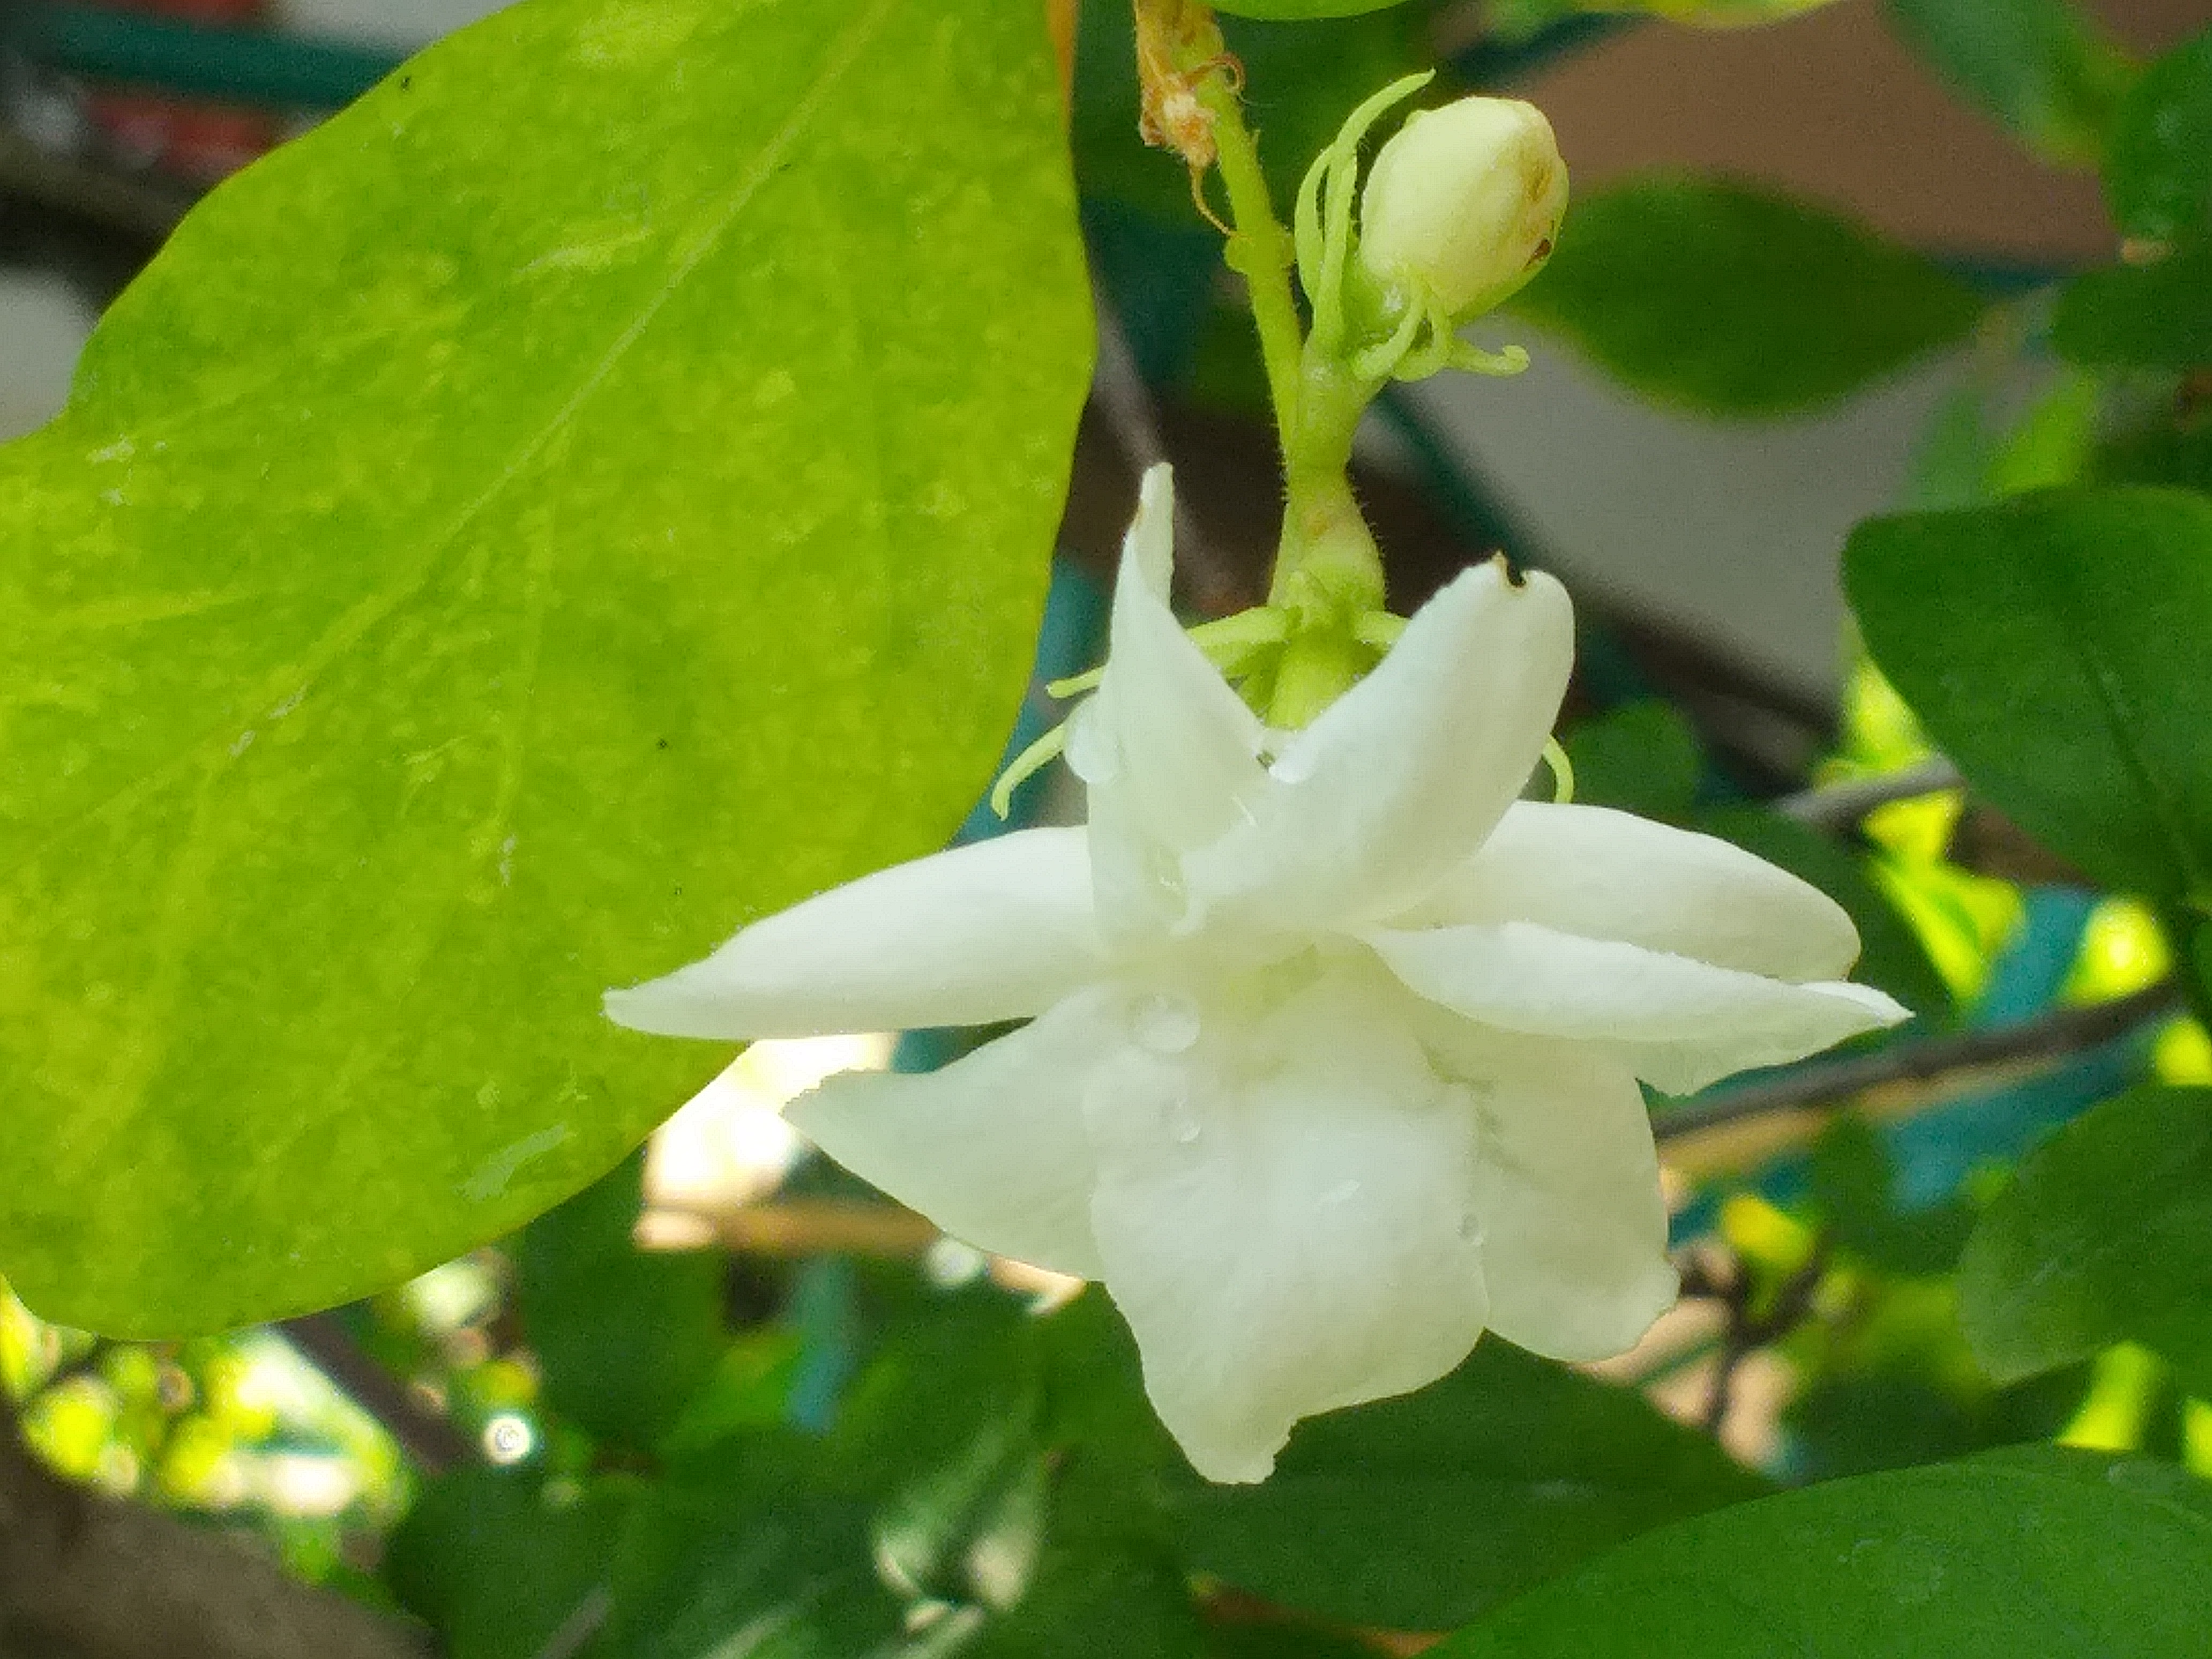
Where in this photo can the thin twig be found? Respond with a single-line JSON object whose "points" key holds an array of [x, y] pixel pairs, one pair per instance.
{"points": [[425, 1434], [1842, 805], [1749, 1332], [2048, 1038], [143, 212]]}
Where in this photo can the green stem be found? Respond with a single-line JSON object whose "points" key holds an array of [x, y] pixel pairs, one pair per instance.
{"points": [[1260, 250]]}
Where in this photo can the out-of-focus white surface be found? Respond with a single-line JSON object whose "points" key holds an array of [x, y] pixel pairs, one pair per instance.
{"points": [[1727, 531], [404, 23], [42, 325]]}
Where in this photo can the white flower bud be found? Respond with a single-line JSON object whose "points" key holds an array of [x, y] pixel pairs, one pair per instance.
{"points": [[1464, 204]]}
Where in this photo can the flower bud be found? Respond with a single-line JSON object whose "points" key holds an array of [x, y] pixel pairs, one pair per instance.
{"points": [[1463, 203]]}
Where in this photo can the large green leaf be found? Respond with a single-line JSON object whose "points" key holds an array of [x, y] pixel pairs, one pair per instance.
{"points": [[2053, 645], [1727, 300], [2158, 168], [2105, 1235], [595, 491], [1975, 1560], [1419, 1512], [2045, 69]]}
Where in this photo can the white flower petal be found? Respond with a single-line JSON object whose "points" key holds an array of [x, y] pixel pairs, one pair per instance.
{"points": [[1567, 1194], [1163, 733], [1283, 1213], [1681, 1023], [1604, 874], [992, 1148], [1403, 777], [998, 930]]}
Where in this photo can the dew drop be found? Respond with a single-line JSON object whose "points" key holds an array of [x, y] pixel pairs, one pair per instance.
{"points": [[1343, 1193], [1165, 1024], [1471, 1231]]}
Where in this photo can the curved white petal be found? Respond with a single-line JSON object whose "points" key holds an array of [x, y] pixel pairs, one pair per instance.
{"points": [[992, 1148], [1681, 1023], [995, 930], [1567, 1192], [1282, 1210], [1603, 874], [1168, 749], [1404, 775]]}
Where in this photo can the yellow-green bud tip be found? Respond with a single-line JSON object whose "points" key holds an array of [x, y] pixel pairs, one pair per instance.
{"points": [[1464, 204]]}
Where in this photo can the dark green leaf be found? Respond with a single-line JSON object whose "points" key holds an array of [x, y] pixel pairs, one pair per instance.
{"points": [[2158, 168], [1419, 1512], [1860, 1424], [742, 1551], [1724, 299], [2149, 316], [1969, 1559], [2105, 1235], [1089, 1606], [2145, 1477], [2051, 645], [595, 490], [624, 1337], [497, 1560], [1643, 758], [2044, 68]]}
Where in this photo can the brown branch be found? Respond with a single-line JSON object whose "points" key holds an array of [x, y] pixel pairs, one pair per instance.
{"points": [[424, 1434], [1841, 806], [2037, 1042], [88, 1577]]}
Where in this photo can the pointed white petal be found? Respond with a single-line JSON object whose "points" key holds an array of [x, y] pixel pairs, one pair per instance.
{"points": [[1164, 724], [992, 1148], [1603, 874], [998, 930], [1405, 775], [1684, 1024], [1283, 1212], [1567, 1195]]}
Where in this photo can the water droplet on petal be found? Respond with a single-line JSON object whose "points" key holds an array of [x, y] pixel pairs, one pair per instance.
{"points": [[1343, 1193], [1471, 1231], [1165, 1024]]}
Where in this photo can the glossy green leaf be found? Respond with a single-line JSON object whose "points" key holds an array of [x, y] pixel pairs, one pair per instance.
{"points": [[2147, 316], [2052, 646], [2045, 69], [1419, 1512], [1727, 300], [595, 491], [2158, 167], [1974, 1559], [2104, 1236], [624, 1337], [1853, 1180]]}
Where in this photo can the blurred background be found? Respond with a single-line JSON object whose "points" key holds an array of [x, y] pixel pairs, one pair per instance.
{"points": [[1702, 545]]}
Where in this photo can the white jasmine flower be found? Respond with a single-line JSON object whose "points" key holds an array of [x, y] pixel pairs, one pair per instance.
{"points": [[1335, 1041]]}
